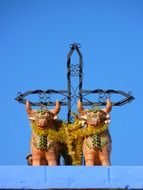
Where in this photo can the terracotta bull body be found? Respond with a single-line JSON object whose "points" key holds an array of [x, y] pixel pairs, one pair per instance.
{"points": [[43, 150], [96, 148]]}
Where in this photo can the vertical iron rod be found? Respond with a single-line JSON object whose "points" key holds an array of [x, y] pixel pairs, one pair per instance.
{"points": [[69, 88], [80, 72], [73, 47]]}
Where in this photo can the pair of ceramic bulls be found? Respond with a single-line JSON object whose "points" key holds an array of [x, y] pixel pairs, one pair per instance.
{"points": [[44, 119]]}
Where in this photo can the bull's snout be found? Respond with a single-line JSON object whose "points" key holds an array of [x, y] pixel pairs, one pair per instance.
{"points": [[94, 121], [41, 123]]}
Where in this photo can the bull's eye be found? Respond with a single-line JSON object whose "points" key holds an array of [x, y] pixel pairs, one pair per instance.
{"points": [[102, 116]]}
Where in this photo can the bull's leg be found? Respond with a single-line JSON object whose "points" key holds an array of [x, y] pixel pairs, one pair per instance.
{"points": [[88, 152], [37, 156], [51, 157], [104, 156], [36, 159], [89, 159]]}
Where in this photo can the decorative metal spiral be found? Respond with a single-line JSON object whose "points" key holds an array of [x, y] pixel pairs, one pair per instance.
{"points": [[75, 70]]}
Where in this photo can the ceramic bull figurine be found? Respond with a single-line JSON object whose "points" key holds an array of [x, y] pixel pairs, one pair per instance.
{"points": [[96, 148], [43, 150]]}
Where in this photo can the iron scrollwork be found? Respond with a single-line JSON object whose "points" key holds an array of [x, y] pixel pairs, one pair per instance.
{"points": [[70, 95], [75, 70]]}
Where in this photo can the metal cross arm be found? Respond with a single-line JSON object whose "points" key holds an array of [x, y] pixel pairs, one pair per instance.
{"points": [[103, 95], [44, 97]]}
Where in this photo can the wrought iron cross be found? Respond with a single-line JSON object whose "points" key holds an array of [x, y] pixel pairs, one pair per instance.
{"points": [[72, 93]]}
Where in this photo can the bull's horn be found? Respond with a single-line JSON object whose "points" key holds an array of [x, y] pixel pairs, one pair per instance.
{"points": [[57, 108], [28, 107], [79, 106], [108, 106]]}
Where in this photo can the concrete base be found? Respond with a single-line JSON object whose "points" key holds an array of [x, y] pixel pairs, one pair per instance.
{"points": [[71, 177]]}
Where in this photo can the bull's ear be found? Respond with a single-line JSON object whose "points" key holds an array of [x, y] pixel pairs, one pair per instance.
{"points": [[57, 108], [28, 107], [108, 106], [79, 106]]}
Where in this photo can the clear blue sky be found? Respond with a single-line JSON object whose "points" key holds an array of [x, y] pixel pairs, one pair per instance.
{"points": [[34, 42]]}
